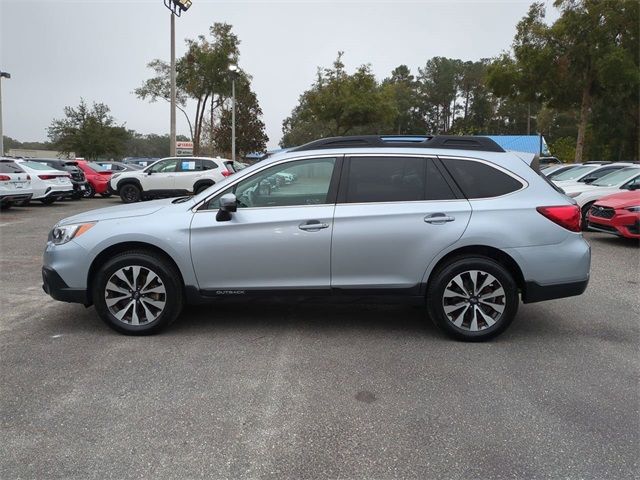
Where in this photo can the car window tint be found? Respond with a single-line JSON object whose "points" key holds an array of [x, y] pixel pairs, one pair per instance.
{"points": [[479, 180], [385, 179], [9, 167], [37, 165], [209, 165], [303, 182], [437, 187]]}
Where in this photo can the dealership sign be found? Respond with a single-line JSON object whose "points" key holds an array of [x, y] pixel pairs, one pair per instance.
{"points": [[184, 149]]}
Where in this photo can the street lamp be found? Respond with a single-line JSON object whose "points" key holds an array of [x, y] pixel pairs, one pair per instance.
{"points": [[177, 7], [2, 75], [233, 69]]}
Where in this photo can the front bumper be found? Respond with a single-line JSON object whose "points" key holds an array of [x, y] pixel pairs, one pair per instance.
{"points": [[624, 224], [56, 288]]}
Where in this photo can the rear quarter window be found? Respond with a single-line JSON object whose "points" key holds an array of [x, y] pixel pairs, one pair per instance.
{"points": [[10, 167], [479, 180]]}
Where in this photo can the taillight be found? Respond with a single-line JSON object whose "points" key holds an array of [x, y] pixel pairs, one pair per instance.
{"points": [[4, 178], [225, 173], [567, 216], [49, 177]]}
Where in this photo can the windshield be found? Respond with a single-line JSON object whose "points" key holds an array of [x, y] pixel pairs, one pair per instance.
{"points": [[575, 173], [617, 177]]}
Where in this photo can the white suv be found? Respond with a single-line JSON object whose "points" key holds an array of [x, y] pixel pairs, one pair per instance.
{"points": [[170, 177]]}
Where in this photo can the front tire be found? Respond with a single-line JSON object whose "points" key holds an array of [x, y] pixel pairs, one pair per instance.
{"points": [[130, 193], [137, 293], [473, 298]]}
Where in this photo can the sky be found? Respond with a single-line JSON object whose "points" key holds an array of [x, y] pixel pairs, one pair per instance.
{"points": [[58, 51]]}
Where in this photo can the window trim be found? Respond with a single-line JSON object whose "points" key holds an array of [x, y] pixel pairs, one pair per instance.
{"points": [[331, 193], [517, 178]]}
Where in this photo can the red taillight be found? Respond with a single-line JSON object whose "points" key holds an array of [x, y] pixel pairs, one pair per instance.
{"points": [[49, 177], [567, 216], [4, 178], [225, 173]]}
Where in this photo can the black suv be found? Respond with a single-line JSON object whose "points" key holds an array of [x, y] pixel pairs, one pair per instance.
{"points": [[78, 179]]}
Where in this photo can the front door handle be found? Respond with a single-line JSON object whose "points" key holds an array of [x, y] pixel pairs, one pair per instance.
{"points": [[313, 225], [438, 219]]}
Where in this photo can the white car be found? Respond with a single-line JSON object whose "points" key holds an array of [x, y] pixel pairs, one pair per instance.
{"points": [[48, 184], [586, 174], [586, 195], [15, 184], [170, 177]]}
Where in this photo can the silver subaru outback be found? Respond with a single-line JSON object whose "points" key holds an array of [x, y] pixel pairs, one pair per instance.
{"points": [[454, 223]]}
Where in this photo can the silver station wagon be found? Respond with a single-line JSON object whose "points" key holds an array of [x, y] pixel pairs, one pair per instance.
{"points": [[453, 223]]}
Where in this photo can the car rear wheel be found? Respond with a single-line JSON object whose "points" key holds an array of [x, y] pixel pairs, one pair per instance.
{"points": [[138, 293], [130, 193], [48, 200], [89, 191], [473, 298], [585, 214]]}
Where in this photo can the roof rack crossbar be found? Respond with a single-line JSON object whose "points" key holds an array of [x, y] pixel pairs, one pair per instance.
{"points": [[456, 142]]}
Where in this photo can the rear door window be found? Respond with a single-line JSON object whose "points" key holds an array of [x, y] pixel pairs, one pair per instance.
{"points": [[385, 179], [479, 180]]}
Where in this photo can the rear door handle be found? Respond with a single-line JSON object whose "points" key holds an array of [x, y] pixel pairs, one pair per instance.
{"points": [[438, 219], [313, 225]]}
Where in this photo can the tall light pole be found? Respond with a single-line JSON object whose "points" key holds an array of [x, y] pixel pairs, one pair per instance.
{"points": [[233, 69], [2, 75], [176, 7]]}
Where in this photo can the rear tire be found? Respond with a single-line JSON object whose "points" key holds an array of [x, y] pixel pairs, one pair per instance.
{"points": [[89, 192], [6, 206], [472, 298], [130, 193], [137, 293], [47, 201], [585, 215]]}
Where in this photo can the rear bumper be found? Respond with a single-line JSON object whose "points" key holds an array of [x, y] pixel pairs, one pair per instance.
{"points": [[56, 288], [534, 292], [4, 199], [50, 193]]}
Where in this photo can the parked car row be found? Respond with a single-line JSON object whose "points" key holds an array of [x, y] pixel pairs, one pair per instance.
{"points": [[608, 194]]}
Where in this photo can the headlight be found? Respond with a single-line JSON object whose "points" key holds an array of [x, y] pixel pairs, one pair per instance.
{"points": [[61, 235], [574, 194], [635, 208]]}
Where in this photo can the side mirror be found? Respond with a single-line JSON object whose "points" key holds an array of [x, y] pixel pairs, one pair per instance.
{"points": [[228, 205], [149, 172]]}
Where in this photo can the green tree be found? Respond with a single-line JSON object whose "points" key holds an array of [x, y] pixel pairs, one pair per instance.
{"points": [[250, 134], [89, 132], [339, 104], [202, 79], [402, 88], [586, 57]]}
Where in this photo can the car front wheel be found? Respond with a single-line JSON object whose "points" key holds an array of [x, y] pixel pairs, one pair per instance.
{"points": [[130, 193], [473, 298], [137, 293]]}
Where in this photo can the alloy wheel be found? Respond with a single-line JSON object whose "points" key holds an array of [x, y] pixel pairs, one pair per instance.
{"points": [[135, 295], [474, 300]]}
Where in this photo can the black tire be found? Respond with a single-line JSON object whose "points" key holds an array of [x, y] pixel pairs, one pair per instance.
{"points": [[201, 188], [585, 213], [462, 266], [89, 191], [105, 194], [76, 196], [149, 261], [130, 193], [48, 200], [5, 206]]}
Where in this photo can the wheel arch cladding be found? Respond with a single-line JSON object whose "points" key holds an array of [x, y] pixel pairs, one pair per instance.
{"points": [[202, 183], [484, 251], [129, 181], [118, 248]]}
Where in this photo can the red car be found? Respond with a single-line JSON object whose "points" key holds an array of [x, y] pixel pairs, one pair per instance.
{"points": [[618, 214], [97, 178]]}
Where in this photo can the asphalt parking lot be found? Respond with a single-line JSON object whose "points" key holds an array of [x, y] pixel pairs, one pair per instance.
{"points": [[316, 391]]}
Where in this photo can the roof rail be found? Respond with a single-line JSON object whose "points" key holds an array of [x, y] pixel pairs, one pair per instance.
{"points": [[456, 142]]}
